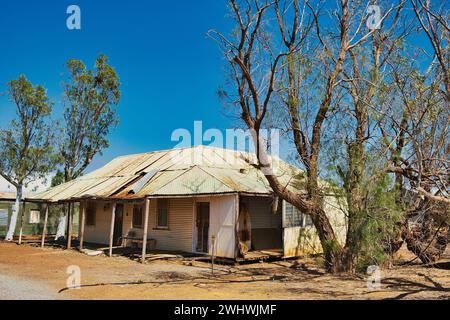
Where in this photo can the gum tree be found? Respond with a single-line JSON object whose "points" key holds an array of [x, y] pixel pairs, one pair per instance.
{"points": [[287, 55], [364, 76], [26, 148], [416, 133], [416, 136], [91, 98]]}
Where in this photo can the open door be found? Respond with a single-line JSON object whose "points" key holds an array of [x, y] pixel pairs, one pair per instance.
{"points": [[244, 230], [292, 231], [118, 223], [202, 224]]}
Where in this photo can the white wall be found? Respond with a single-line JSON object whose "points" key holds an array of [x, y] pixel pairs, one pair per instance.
{"points": [[99, 233], [222, 225], [298, 241], [179, 234]]}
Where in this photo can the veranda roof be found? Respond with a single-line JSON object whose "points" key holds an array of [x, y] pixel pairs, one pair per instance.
{"points": [[7, 196]]}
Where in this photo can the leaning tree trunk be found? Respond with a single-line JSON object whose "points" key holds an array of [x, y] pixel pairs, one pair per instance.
{"points": [[427, 241], [428, 238], [14, 214], [332, 250], [395, 240]]}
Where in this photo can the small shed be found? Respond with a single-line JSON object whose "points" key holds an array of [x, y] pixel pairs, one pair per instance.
{"points": [[202, 200]]}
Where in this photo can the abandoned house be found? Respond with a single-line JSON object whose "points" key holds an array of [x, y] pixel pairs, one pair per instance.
{"points": [[201, 200]]}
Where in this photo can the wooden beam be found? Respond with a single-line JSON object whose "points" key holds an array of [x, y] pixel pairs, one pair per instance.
{"points": [[21, 210], [82, 222], [144, 237], [236, 225], [69, 226], [111, 230], [44, 229]]}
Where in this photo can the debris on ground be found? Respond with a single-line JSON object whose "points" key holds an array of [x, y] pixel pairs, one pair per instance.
{"points": [[92, 252]]}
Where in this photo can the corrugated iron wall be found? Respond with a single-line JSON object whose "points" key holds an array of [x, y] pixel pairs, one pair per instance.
{"points": [[179, 234]]}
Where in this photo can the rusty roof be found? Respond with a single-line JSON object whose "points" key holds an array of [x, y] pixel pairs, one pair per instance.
{"points": [[192, 171]]}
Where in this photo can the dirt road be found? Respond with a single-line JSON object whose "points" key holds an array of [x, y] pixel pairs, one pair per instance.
{"points": [[28, 272], [17, 288]]}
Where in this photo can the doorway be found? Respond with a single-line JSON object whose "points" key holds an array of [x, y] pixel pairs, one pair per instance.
{"points": [[118, 222], [202, 224]]}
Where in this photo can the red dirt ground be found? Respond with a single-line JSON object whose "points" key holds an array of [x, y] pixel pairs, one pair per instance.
{"points": [[43, 273]]}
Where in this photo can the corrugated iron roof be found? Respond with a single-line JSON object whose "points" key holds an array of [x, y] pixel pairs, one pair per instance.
{"points": [[11, 196], [7, 196], [188, 171]]}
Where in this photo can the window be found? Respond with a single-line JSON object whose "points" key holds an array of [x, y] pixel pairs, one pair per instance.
{"points": [[162, 220], [3, 218], [90, 215], [137, 216], [35, 216], [293, 217]]}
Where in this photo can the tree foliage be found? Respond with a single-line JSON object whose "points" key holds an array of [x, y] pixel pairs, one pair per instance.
{"points": [[91, 98], [352, 112], [26, 147]]}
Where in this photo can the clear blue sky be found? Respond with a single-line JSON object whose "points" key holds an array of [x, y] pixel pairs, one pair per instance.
{"points": [[169, 69]]}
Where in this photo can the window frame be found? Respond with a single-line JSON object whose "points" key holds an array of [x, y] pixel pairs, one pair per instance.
{"points": [[91, 215], [295, 218], [141, 225], [34, 212], [158, 208]]}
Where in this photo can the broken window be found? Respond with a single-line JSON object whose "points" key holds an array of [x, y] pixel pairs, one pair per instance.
{"points": [[35, 216], [137, 216], [90, 215], [292, 216], [162, 220]]}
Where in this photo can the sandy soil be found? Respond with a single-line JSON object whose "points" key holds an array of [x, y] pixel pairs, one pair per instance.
{"points": [[33, 273]]}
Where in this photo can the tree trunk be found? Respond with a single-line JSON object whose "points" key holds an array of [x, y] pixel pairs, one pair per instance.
{"points": [[21, 213], [62, 218], [14, 214], [69, 225], [355, 198], [62, 221], [332, 249]]}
